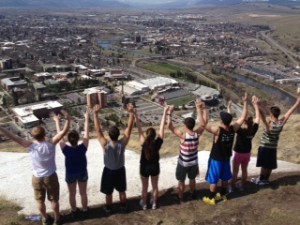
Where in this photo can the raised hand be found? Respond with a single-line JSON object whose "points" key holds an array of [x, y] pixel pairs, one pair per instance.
{"points": [[54, 116], [171, 109], [199, 104], [97, 108], [166, 108], [245, 97], [87, 113], [130, 108], [65, 114]]}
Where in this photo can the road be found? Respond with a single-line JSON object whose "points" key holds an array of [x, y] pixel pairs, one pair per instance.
{"points": [[291, 55]]}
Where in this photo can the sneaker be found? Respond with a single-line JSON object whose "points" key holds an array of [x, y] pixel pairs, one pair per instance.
{"points": [[229, 189], [154, 206], [123, 208], [263, 183], [107, 208], [143, 206], [209, 201], [193, 195], [74, 214], [239, 186], [259, 182], [221, 197], [255, 180], [84, 214], [179, 200], [59, 222], [47, 221]]}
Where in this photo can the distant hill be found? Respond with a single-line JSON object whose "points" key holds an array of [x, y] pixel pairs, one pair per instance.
{"points": [[190, 3], [62, 3]]}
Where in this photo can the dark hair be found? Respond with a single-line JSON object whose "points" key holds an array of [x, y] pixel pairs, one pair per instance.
{"points": [[249, 122], [275, 111], [226, 118], [73, 137], [149, 142], [38, 133], [189, 123], [113, 133]]}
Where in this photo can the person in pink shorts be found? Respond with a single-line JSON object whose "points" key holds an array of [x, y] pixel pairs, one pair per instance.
{"points": [[243, 145]]}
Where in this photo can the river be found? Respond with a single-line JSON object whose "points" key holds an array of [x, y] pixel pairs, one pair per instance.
{"points": [[273, 91]]}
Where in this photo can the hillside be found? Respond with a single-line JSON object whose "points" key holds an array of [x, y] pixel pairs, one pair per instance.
{"points": [[289, 149]]}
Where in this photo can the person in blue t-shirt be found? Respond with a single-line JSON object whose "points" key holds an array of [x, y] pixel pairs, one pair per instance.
{"points": [[76, 164]]}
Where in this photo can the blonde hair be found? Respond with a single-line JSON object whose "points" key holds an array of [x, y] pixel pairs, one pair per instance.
{"points": [[38, 133]]}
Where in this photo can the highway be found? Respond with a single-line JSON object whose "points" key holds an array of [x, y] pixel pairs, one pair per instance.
{"points": [[291, 55]]}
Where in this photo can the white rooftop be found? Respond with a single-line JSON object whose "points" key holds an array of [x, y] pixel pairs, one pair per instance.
{"points": [[28, 110], [156, 82]]}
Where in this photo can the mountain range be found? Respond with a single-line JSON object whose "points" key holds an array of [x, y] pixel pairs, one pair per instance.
{"points": [[130, 3]]}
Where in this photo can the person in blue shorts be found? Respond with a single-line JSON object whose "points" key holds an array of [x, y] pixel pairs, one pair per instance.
{"points": [[219, 159], [114, 173], [76, 164]]}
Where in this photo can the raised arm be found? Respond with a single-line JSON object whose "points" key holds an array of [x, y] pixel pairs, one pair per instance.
{"points": [[138, 124], [229, 107], [255, 102], [55, 118], [102, 140], [291, 110], [21, 141], [238, 123], [63, 132], [162, 123], [202, 115], [128, 129], [173, 129], [86, 136]]}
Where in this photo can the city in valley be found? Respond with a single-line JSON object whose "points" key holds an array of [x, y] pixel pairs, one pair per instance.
{"points": [[52, 59]]}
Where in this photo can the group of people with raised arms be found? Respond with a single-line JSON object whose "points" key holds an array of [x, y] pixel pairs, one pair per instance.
{"points": [[42, 152]]}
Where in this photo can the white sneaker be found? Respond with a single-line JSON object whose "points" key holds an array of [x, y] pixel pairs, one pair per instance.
{"points": [[154, 206], [144, 206]]}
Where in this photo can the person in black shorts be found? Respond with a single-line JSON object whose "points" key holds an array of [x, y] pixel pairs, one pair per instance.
{"points": [[267, 152], [149, 163]]}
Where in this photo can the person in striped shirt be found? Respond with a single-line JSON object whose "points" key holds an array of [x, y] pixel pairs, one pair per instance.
{"points": [[267, 152], [187, 164]]}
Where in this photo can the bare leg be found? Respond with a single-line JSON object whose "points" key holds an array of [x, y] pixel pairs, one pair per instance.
{"points": [[122, 196], [55, 208], [235, 172], [72, 195], [192, 185], [181, 187], [154, 182], [144, 189], [84, 199], [244, 173], [108, 199], [42, 209], [265, 173]]}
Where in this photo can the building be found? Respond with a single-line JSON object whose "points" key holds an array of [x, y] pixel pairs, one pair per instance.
{"points": [[115, 74], [13, 82], [158, 83], [5, 64], [42, 76], [29, 115]]}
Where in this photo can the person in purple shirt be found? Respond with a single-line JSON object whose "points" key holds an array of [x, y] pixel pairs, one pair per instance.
{"points": [[76, 164]]}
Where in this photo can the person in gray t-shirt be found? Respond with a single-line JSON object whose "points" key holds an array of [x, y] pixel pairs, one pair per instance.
{"points": [[114, 174]]}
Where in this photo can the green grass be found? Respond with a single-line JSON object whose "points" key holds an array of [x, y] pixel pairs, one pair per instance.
{"points": [[181, 101], [161, 68]]}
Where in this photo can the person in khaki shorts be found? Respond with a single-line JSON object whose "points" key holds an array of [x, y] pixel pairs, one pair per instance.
{"points": [[44, 179]]}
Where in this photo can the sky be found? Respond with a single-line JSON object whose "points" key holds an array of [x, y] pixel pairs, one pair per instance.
{"points": [[147, 1]]}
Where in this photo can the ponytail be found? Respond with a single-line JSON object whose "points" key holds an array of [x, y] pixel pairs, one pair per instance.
{"points": [[149, 143]]}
